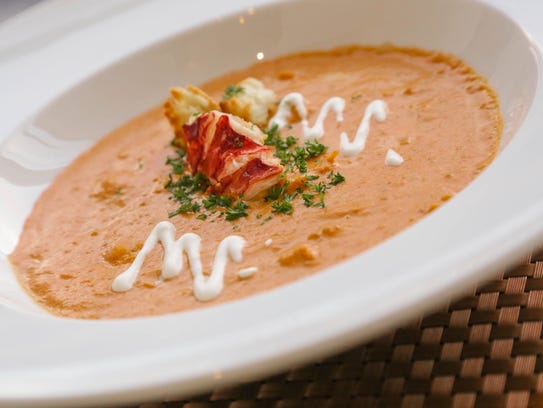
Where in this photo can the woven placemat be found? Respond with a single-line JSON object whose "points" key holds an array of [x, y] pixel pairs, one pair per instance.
{"points": [[484, 350]]}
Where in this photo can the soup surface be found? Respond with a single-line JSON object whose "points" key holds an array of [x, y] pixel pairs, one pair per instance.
{"points": [[87, 227]]}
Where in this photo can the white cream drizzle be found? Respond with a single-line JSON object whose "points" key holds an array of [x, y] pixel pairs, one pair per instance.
{"points": [[293, 99], [268, 242], [205, 288], [393, 158], [296, 100], [246, 273], [377, 109], [335, 104]]}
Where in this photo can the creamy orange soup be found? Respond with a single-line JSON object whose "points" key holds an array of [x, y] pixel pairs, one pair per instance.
{"points": [[87, 227]]}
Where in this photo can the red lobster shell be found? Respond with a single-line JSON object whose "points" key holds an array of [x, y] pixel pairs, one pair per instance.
{"points": [[231, 153]]}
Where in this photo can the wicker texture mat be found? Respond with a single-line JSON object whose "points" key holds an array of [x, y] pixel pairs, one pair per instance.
{"points": [[482, 351]]}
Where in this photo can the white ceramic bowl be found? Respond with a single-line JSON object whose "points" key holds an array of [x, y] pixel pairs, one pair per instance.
{"points": [[51, 361]]}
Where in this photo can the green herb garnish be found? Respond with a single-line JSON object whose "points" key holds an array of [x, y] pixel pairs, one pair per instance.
{"points": [[186, 206], [308, 199], [296, 158], [214, 201], [293, 157], [273, 138], [310, 150], [336, 178], [177, 163], [318, 187], [239, 210], [282, 206], [276, 191], [314, 149], [268, 218], [183, 187], [231, 91]]}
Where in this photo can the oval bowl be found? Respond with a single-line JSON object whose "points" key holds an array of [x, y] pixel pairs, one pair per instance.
{"points": [[53, 361]]}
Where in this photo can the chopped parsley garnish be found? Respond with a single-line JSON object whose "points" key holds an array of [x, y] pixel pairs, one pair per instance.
{"points": [[283, 206], [273, 138], [182, 186], [336, 178], [299, 156], [186, 185], [308, 199], [231, 91], [321, 203], [314, 149], [239, 210], [291, 155], [311, 150], [186, 206], [276, 191], [318, 187], [296, 159], [214, 201], [177, 163]]}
